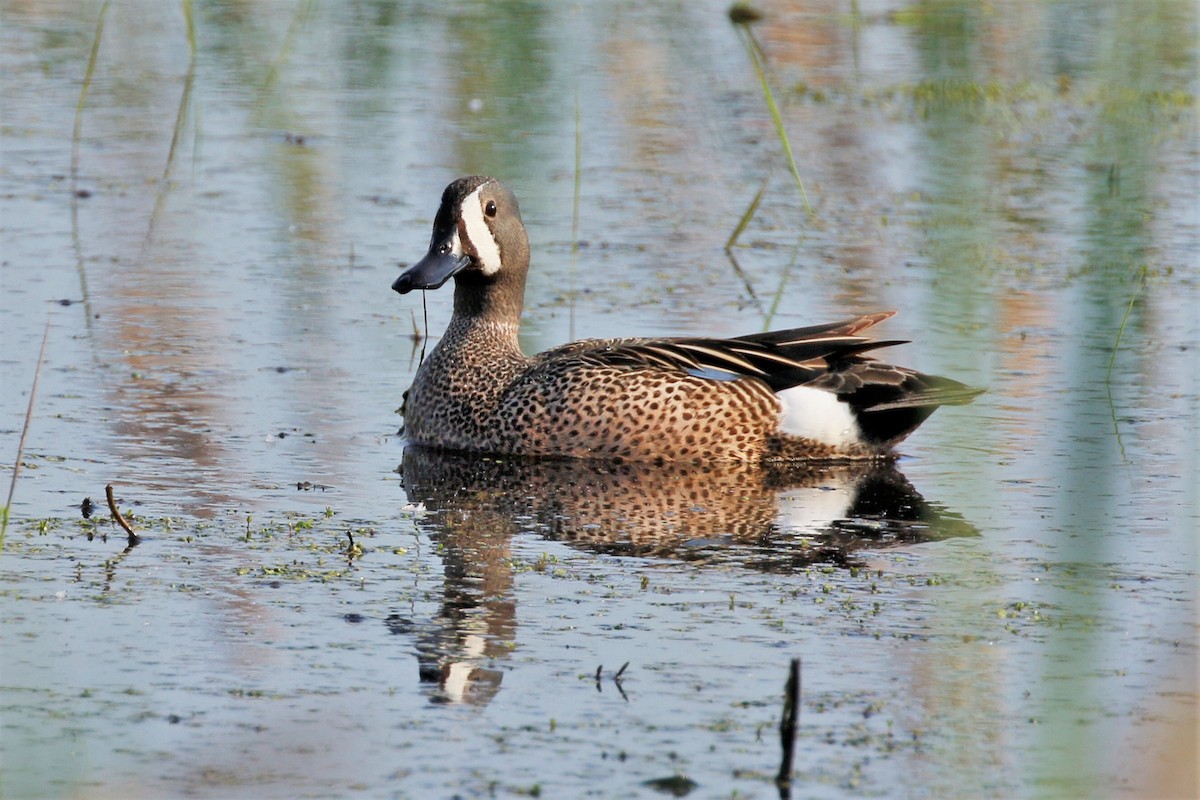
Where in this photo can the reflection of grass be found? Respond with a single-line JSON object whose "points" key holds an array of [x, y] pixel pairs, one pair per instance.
{"points": [[575, 214], [76, 136], [748, 214], [299, 20], [777, 298], [1019, 102], [181, 115], [83, 93], [189, 17]]}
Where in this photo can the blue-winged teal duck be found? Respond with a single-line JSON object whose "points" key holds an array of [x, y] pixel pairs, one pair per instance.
{"points": [[804, 394]]}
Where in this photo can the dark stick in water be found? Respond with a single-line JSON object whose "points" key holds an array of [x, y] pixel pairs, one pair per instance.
{"points": [[787, 725], [116, 513]]}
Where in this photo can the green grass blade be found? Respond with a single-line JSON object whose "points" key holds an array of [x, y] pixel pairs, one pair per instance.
{"points": [[12, 484], [758, 58], [1112, 360]]}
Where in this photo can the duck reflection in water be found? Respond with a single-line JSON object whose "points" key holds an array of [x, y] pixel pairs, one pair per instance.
{"points": [[778, 519]]}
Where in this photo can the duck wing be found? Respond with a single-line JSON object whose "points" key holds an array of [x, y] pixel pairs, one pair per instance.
{"points": [[781, 359]]}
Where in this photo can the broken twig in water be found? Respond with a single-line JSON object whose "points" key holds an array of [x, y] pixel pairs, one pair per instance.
{"points": [[116, 514], [787, 724], [617, 681]]}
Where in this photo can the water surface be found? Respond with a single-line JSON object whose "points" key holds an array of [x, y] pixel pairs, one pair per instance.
{"points": [[316, 611]]}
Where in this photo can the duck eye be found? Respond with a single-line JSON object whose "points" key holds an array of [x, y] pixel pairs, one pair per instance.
{"points": [[490, 208]]}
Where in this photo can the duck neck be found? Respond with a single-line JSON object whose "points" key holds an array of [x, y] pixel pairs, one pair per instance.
{"points": [[490, 305]]}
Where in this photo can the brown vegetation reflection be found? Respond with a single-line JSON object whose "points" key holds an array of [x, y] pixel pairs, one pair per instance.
{"points": [[768, 519]]}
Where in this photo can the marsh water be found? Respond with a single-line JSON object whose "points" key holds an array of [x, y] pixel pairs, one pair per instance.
{"points": [[202, 206]]}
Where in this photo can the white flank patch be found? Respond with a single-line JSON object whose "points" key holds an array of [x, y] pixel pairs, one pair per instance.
{"points": [[456, 681], [811, 511], [480, 235], [819, 415]]}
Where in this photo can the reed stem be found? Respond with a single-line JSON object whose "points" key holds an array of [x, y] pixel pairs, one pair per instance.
{"points": [[12, 484]]}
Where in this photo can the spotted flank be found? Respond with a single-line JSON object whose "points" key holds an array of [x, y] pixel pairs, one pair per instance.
{"points": [[815, 393]]}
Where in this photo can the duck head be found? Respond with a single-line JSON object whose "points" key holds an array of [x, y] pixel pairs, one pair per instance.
{"points": [[477, 233]]}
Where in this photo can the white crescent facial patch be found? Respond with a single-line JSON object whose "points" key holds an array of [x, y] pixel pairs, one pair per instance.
{"points": [[479, 235]]}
